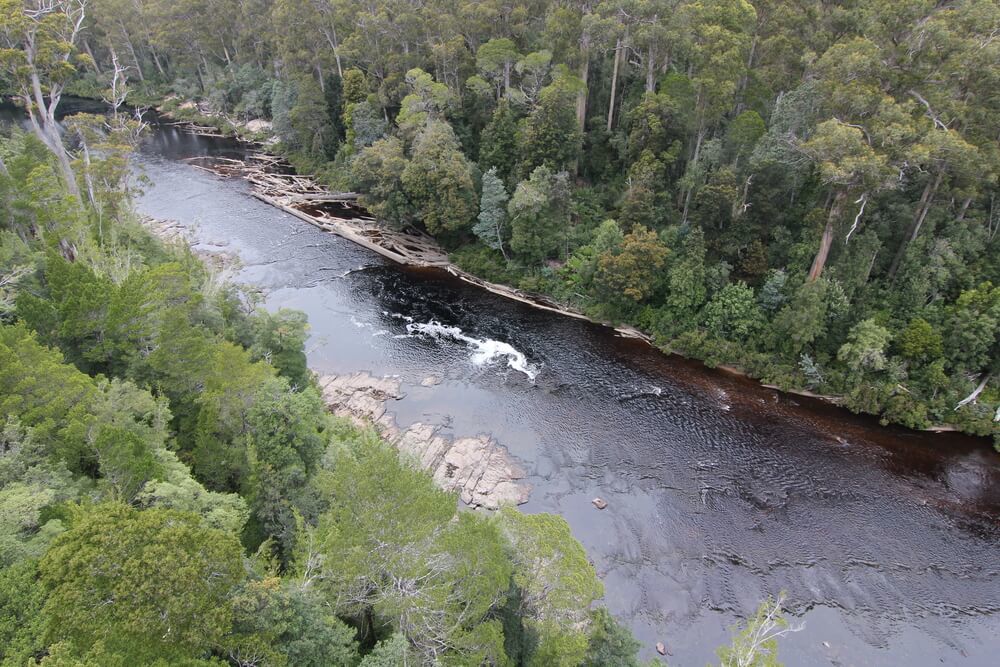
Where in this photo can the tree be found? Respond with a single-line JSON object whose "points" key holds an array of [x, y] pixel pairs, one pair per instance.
{"points": [[310, 122], [377, 173], [275, 622], [21, 624], [847, 164], [550, 136], [393, 551], [866, 346], [498, 144], [279, 339], [539, 215], [610, 643], [149, 584], [38, 42], [808, 315], [919, 341], [286, 436], [495, 61], [631, 269], [686, 277], [556, 585], [757, 644], [491, 227], [439, 180], [733, 314]]}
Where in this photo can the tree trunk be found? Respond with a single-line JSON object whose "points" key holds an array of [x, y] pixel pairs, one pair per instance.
{"points": [[745, 79], [46, 129], [614, 82], [331, 38], [975, 392], [694, 161], [926, 199], [90, 52], [827, 239], [650, 70], [581, 97], [131, 50], [156, 61], [964, 209]]}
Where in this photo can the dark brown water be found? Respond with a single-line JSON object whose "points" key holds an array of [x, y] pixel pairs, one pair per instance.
{"points": [[720, 492]]}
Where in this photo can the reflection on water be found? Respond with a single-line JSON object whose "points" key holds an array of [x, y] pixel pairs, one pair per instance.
{"points": [[720, 492]]}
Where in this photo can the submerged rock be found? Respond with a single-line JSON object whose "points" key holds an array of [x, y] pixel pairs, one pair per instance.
{"points": [[479, 468], [430, 381]]}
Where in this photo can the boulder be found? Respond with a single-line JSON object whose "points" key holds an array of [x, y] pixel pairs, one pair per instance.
{"points": [[479, 468], [258, 125], [600, 503], [660, 648]]}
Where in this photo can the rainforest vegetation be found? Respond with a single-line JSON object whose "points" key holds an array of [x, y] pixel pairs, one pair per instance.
{"points": [[173, 490], [804, 190]]}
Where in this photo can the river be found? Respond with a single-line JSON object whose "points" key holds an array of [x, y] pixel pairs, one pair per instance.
{"points": [[719, 491]]}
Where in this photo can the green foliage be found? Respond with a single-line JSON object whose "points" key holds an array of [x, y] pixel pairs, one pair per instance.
{"points": [[377, 172], [610, 642], [438, 180], [388, 523], [279, 339], [539, 215], [556, 585], [733, 314], [498, 144], [310, 122], [286, 625], [919, 341], [21, 625], [631, 267], [491, 225], [166, 576], [550, 136], [756, 645]]}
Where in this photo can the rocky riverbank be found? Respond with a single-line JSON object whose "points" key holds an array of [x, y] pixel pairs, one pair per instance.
{"points": [[478, 467]]}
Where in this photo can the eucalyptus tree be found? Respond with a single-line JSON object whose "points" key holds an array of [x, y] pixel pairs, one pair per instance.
{"points": [[38, 57]]}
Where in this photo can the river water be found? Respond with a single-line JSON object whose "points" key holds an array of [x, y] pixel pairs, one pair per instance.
{"points": [[720, 492]]}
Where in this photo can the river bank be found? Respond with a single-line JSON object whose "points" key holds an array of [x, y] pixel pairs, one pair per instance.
{"points": [[420, 250], [478, 468]]}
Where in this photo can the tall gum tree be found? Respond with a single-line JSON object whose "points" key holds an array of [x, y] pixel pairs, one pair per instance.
{"points": [[37, 51]]}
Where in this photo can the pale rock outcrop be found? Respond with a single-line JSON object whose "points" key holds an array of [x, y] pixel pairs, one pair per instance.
{"points": [[258, 125], [479, 468]]}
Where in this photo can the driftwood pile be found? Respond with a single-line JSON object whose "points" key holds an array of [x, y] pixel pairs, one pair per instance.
{"points": [[273, 182]]}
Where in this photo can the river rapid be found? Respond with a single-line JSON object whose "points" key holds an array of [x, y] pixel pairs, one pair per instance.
{"points": [[720, 492]]}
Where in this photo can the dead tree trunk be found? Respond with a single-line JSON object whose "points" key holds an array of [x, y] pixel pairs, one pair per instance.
{"points": [[826, 240], [926, 199], [614, 82]]}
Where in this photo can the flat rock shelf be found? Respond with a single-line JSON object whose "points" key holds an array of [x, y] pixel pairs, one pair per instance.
{"points": [[479, 468]]}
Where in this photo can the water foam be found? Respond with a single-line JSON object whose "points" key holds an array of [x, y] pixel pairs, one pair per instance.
{"points": [[483, 351]]}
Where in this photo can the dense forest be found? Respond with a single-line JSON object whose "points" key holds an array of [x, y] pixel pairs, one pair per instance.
{"points": [[805, 190], [173, 490]]}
